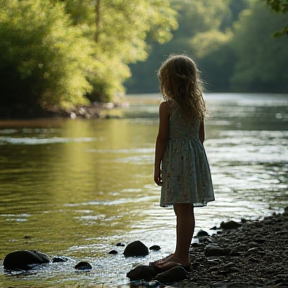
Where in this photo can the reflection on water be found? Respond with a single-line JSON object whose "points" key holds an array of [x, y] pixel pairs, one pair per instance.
{"points": [[75, 188]]}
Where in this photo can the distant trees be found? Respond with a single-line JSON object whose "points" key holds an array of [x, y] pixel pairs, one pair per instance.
{"points": [[61, 53], [67, 52], [233, 47], [262, 61], [204, 31], [282, 7]]}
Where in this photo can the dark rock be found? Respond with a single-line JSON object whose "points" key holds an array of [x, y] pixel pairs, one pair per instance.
{"points": [[155, 248], [136, 248], [214, 250], [119, 244], [24, 259], [83, 266], [142, 272], [197, 245], [202, 233], [230, 225], [177, 273], [114, 252], [58, 259]]}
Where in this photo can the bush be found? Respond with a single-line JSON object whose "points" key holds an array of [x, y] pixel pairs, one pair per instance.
{"points": [[44, 61]]}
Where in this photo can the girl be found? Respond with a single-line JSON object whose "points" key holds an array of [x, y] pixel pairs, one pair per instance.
{"points": [[185, 177]]}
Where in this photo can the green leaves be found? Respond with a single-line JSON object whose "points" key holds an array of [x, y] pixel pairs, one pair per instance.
{"points": [[261, 60], [282, 7], [278, 5], [122, 30], [60, 53], [44, 61]]}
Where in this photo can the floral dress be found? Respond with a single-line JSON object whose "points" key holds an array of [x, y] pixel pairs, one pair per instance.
{"points": [[185, 170]]}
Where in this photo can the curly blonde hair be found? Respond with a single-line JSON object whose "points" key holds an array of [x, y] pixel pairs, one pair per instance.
{"points": [[181, 83]]}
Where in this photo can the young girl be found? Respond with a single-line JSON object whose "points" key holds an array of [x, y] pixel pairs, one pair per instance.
{"points": [[185, 176]]}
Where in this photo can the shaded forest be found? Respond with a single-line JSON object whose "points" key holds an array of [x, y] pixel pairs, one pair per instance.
{"points": [[236, 44], [64, 53]]}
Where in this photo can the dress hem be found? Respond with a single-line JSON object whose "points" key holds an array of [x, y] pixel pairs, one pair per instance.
{"points": [[194, 204]]}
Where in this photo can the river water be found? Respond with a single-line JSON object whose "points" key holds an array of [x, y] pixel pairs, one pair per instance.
{"points": [[75, 188]]}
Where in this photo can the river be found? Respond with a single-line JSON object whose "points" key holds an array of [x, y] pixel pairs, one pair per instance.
{"points": [[76, 187]]}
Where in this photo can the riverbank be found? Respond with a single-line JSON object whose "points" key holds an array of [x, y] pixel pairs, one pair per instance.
{"points": [[254, 255], [92, 111]]}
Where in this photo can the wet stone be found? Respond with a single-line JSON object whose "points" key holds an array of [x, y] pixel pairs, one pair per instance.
{"points": [[136, 248], [83, 266]]}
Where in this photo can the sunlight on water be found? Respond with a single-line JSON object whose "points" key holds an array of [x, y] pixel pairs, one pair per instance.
{"points": [[75, 188]]}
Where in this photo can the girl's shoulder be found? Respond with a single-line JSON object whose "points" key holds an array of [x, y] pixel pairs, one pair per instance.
{"points": [[166, 107]]}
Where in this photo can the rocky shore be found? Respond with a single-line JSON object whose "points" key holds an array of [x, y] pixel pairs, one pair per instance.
{"points": [[253, 255], [249, 254]]}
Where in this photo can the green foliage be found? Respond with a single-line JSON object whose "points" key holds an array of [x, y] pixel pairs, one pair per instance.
{"points": [[278, 5], [121, 29], [67, 52], [215, 57], [262, 62], [64, 52], [198, 20], [233, 47], [282, 7], [44, 61]]}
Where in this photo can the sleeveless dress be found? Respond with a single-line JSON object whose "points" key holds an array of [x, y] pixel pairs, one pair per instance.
{"points": [[185, 170]]}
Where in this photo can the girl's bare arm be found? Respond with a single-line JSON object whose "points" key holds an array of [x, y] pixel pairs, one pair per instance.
{"points": [[202, 132], [162, 140]]}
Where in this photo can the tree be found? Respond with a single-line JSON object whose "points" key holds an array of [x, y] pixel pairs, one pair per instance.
{"points": [[280, 6], [44, 61], [262, 62], [120, 29]]}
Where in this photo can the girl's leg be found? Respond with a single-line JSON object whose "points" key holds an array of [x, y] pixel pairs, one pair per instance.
{"points": [[184, 233]]}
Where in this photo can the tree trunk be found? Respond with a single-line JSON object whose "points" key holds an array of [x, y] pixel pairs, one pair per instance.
{"points": [[97, 20]]}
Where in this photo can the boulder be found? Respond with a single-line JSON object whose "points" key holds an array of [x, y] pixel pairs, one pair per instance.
{"points": [[136, 248], [24, 259]]}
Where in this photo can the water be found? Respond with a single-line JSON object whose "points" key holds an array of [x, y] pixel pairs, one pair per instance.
{"points": [[75, 188]]}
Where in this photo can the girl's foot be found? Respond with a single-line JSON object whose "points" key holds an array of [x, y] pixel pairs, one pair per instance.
{"points": [[160, 261], [170, 264], [172, 261]]}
